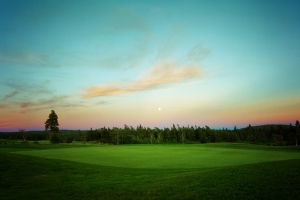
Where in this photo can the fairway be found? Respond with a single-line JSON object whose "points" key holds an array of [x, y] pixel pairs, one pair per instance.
{"points": [[168, 156], [190, 171]]}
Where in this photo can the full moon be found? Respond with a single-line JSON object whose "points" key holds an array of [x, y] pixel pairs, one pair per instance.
{"points": [[159, 108]]}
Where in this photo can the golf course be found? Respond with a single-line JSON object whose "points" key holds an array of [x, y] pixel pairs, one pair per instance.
{"points": [[174, 171]]}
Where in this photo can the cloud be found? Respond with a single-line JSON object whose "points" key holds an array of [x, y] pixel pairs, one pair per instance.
{"points": [[125, 28], [158, 76], [124, 61], [44, 103], [26, 104], [198, 53], [172, 43], [63, 102], [12, 94], [29, 97], [17, 57], [101, 103], [26, 97], [21, 87]]}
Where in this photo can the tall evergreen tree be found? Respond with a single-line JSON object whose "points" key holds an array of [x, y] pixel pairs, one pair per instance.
{"points": [[52, 123]]}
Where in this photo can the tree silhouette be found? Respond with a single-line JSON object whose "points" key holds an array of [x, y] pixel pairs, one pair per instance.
{"points": [[52, 123]]}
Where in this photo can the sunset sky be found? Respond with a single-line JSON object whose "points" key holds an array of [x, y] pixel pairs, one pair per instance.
{"points": [[110, 63]]}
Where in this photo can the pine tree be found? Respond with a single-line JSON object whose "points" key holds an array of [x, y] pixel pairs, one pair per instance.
{"points": [[52, 123]]}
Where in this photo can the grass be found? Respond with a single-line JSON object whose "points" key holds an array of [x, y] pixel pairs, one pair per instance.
{"points": [[206, 171]]}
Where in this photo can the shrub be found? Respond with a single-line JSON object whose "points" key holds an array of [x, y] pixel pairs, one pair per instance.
{"points": [[67, 139]]}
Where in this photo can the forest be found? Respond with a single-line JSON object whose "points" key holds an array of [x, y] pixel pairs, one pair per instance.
{"points": [[275, 135]]}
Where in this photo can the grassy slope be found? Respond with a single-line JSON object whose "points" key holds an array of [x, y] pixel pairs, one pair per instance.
{"points": [[24, 176]]}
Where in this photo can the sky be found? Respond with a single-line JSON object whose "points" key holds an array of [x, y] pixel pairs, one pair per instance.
{"points": [[154, 63]]}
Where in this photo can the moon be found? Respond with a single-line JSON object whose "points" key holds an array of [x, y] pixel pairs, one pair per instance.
{"points": [[159, 109]]}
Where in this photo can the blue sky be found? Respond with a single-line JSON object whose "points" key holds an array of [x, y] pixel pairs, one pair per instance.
{"points": [[110, 63]]}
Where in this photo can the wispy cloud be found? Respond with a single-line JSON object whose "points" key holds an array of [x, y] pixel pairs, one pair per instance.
{"points": [[10, 95], [158, 76], [17, 57], [26, 105], [56, 101], [101, 103], [63, 102], [25, 96], [172, 43], [21, 87], [30, 97], [198, 53], [122, 24]]}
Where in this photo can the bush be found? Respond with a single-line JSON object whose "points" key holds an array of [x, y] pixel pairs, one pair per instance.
{"points": [[67, 139]]}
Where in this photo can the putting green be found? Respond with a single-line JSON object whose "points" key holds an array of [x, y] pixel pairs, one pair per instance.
{"points": [[165, 156]]}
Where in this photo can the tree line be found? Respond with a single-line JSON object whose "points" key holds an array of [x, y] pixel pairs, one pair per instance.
{"points": [[278, 135], [281, 135], [275, 135]]}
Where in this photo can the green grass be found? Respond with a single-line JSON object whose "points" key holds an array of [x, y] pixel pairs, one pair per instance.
{"points": [[206, 171], [165, 156]]}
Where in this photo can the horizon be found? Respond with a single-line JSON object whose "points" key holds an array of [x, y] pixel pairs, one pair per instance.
{"points": [[158, 63], [213, 128]]}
